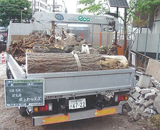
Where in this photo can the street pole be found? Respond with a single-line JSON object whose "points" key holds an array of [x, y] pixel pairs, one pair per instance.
{"points": [[22, 11], [53, 5], [21, 15], [32, 7]]}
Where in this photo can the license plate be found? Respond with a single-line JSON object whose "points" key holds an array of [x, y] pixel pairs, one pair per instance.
{"points": [[77, 103]]}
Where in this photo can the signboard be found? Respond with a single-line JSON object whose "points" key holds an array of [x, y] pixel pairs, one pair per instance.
{"points": [[24, 92]]}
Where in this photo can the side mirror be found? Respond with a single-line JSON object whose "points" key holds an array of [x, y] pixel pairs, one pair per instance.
{"points": [[1, 38]]}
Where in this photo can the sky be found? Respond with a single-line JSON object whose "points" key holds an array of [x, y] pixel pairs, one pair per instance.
{"points": [[70, 4]]}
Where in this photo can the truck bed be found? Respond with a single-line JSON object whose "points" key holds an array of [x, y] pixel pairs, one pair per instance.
{"points": [[79, 83]]}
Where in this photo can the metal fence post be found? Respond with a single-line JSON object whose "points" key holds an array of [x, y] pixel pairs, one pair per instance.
{"points": [[138, 36], [92, 33], [157, 55], [101, 34], [147, 35]]}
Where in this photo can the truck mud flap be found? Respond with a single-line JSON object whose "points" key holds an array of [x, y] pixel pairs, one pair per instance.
{"points": [[52, 119]]}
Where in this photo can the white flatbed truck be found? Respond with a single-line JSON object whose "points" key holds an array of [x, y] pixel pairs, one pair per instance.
{"points": [[68, 96]]}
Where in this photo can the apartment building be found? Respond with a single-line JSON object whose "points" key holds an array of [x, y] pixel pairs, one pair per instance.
{"points": [[47, 6], [59, 6], [41, 6]]}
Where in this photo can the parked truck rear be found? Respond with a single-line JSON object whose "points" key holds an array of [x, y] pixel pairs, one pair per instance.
{"points": [[74, 95]]}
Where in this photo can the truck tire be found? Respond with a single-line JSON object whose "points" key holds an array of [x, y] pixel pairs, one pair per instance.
{"points": [[23, 111], [9, 74]]}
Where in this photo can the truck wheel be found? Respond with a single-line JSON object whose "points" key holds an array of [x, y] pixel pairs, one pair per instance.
{"points": [[23, 111], [9, 74]]}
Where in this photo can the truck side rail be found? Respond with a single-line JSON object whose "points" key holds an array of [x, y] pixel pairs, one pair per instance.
{"points": [[15, 69], [69, 84]]}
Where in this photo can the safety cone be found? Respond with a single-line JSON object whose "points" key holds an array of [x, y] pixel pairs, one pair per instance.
{"points": [[3, 58]]}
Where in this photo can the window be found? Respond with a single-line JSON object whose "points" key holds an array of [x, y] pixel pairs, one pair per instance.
{"points": [[37, 3]]}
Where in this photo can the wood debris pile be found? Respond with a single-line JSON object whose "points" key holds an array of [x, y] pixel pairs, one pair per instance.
{"points": [[47, 53], [43, 43]]}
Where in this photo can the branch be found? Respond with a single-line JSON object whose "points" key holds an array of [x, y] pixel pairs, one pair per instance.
{"points": [[131, 9], [121, 18]]}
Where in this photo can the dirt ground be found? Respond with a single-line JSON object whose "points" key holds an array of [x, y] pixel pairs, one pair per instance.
{"points": [[10, 119]]}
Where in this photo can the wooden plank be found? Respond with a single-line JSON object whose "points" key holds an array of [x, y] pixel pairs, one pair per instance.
{"points": [[153, 69], [141, 60]]}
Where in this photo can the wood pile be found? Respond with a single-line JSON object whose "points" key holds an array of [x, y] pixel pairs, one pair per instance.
{"points": [[46, 54], [43, 43]]}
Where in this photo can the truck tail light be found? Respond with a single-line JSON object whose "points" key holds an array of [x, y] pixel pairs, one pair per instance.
{"points": [[46, 107], [43, 108], [119, 98]]}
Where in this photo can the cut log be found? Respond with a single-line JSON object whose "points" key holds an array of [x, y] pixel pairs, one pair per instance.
{"points": [[67, 62], [113, 62], [60, 62]]}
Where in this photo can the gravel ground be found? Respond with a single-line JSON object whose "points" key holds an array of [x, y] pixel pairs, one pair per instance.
{"points": [[10, 119]]}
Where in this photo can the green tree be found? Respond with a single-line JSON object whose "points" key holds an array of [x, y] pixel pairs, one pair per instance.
{"points": [[143, 6], [147, 6], [94, 8], [11, 10]]}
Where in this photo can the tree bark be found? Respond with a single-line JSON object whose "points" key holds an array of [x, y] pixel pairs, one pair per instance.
{"points": [[125, 33], [66, 62]]}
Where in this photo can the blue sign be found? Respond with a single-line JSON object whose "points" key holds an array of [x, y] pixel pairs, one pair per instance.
{"points": [[59, 16]]}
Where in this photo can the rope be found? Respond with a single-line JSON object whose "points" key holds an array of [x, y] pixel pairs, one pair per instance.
{"points": [[77, 60]]}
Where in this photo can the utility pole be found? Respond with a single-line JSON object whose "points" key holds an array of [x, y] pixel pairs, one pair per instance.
{"points": [[53, 5]]}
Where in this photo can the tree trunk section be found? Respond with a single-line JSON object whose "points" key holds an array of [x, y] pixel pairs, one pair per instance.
{"points": [[66, 62], [125, 34]]}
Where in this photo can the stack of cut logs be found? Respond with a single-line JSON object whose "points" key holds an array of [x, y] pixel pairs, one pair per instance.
{"points": [[45, 53]]}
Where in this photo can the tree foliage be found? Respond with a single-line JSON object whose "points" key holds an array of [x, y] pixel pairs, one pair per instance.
{"points": [[11, 10], [93, 7], [147, 6], [143, 8]]}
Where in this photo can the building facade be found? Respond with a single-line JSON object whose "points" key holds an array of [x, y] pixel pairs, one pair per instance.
{"points": [[59, 6], [40, 6], [47, 6]]}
